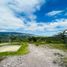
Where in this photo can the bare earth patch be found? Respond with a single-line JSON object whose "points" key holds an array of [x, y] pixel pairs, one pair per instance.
{"points": [[9, 48], [38, 57]]}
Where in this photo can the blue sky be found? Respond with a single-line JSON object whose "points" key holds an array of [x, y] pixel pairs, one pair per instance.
{"points": [[39, 17]]}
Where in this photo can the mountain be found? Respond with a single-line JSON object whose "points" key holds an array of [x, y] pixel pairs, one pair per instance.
{"points": [[7, 35], [14, 36], [15, 33]]}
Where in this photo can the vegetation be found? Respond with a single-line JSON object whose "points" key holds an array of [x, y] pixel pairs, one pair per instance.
{"points": [[21, 51], [64, 62], [58, 46], [58, 41], [1, 58]]}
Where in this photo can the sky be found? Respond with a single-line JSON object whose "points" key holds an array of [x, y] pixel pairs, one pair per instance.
{"points": [[38, 17]]}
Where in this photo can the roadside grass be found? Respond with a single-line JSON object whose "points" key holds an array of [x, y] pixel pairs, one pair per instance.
{"points": [[1, 58], [59, 46], [23, 50], [64, 60], [39, 43]]}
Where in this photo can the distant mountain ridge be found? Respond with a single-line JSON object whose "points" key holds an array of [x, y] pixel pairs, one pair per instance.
{"points": [[16, 33], [10, 33]]}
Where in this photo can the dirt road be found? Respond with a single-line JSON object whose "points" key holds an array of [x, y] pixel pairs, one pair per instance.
{"points": [[38, 57]]}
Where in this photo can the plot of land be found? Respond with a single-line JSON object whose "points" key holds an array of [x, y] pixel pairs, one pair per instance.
{"points": [[9, 48], [14, 48]]}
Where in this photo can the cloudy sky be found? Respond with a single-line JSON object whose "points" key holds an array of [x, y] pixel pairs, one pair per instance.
{"points": [[39, 17]]}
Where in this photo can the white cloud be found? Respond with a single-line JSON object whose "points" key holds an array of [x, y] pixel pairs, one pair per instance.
{"points": [[61, 22], [7, 8], [26, 6], [34, 26], [53, 13], [8, 20]]}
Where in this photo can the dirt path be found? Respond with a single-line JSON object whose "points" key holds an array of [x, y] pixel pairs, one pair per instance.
{"points": [[38, 57]]}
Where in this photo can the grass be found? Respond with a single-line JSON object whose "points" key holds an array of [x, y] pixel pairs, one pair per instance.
{"points": [[58, 46], [52, 45], [23, 50], [1, 58], [39, 43], [64, 60]]}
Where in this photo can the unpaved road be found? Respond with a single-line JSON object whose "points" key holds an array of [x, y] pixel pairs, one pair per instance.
{"points": [[38, 57]]}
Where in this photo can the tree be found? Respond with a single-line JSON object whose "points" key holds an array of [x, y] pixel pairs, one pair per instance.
{"points": [[65, 36]]}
